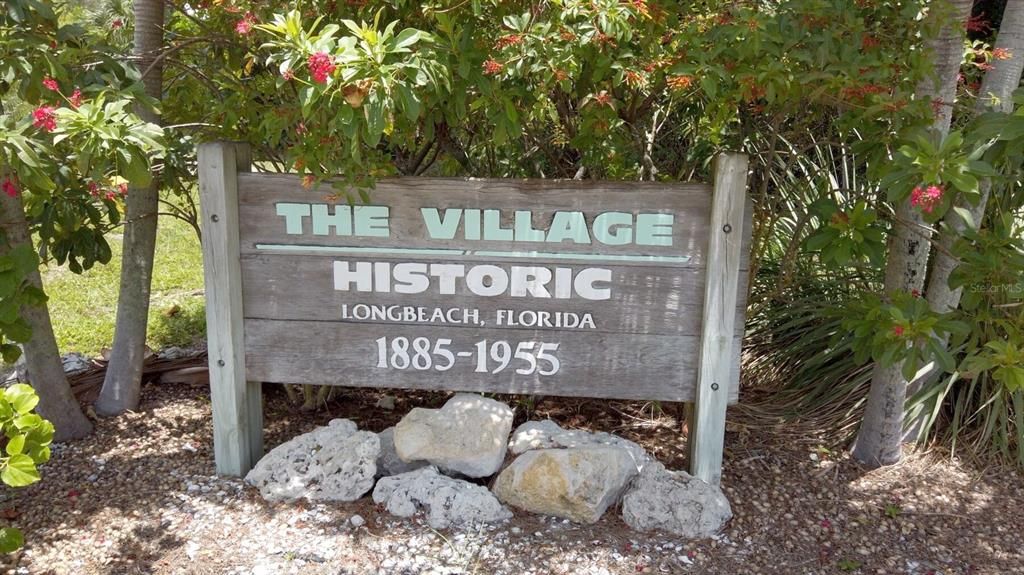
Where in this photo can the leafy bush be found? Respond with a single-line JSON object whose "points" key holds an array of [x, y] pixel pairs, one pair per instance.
{"points": [[27, 444]]}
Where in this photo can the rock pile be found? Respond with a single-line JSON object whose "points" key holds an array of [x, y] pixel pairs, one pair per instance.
{"points": [[421, 465]]}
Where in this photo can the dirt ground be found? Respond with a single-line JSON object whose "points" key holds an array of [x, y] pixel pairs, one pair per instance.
{"points": [[140, 496]]}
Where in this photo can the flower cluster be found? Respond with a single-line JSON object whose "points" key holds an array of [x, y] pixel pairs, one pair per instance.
{"points": [[51, 84], [679, 83], [635, 79], [926, 198], [76, 98], [508, 40], [977, 23], [1001, 54], [244, 26], [10, 188], [44, 118], [108, 193], [862, 91], [492, 67], [321, 66]]}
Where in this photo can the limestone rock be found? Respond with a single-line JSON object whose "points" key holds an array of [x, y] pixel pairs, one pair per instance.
{"points": [[332, 463], [547, 434], [577, 483], [388, 462], [448, 502], [676, 502], [467, 435]]}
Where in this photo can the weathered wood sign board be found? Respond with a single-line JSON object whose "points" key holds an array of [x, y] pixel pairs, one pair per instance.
{"points": [[503, 286]]}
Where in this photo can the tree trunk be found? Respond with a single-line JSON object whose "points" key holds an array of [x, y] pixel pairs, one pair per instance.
{"points": [[122, 384], [42, 358], [909, 247], [995, 94]]}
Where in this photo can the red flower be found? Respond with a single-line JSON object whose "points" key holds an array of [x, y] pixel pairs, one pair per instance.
{"points": [[508, 40], [977, 23], [76, 98], [117, 24], [301, 129], [44, 119], [321, 66], [603, 98], [9, 188], [244, 26], [51, 84], [926, 199], [122, 189], [492, 67], [869, 42], [826, 524], [897, 330], [915, 293], [308, 181], [288, 74]]}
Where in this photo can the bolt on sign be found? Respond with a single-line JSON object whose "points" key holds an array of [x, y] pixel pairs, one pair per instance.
{"points": [[629, 290]]}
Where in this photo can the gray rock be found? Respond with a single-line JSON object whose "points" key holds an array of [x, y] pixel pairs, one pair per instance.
{"points": [[388, 462], [467, 435], [333, 463], [676, 502], [577, 483], [75, 362], [547, 434], [448, 502]]}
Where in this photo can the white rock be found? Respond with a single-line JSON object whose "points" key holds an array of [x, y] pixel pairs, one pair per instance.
{"points": [[386, 402], [357, 520], [547, 434], [448, 502], [333, 463], [467, 435], [577, 483], [388, 462], [676, 502]]}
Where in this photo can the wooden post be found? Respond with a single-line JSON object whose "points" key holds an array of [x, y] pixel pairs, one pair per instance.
{"points": [[707, 431], [237, 404]]}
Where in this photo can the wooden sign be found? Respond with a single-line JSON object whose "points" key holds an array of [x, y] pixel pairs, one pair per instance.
{"points": [[598, 289]]}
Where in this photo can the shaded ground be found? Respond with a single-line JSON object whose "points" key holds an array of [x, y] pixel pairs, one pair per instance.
{"points": [[140, 497]]}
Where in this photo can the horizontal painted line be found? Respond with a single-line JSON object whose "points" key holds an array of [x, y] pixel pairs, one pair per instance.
{"points": [[480, 253]]}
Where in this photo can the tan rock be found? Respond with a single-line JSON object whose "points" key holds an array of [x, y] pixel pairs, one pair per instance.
{"points": [[577, 483]]}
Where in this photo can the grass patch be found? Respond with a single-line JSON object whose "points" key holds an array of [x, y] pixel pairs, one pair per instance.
{"points": [[83, 307]]}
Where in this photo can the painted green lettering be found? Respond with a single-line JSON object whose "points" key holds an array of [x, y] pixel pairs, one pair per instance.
{"points": [[324, 220], [371, 221], [441, 228], [293, 214], [570, 226], [524, 228], [654, 229], [621, 235], [492, 227]]}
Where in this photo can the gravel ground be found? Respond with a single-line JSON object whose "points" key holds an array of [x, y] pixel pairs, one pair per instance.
{"points": [[139, 496]]}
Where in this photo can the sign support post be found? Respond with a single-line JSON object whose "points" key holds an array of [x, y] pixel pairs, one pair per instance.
{"points": [[237, 404], [707, 432]]}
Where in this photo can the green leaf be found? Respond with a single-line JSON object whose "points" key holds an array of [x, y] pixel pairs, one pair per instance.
{"points": [[22, 398], [16, 445], [11, 539], [19, 471]]}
